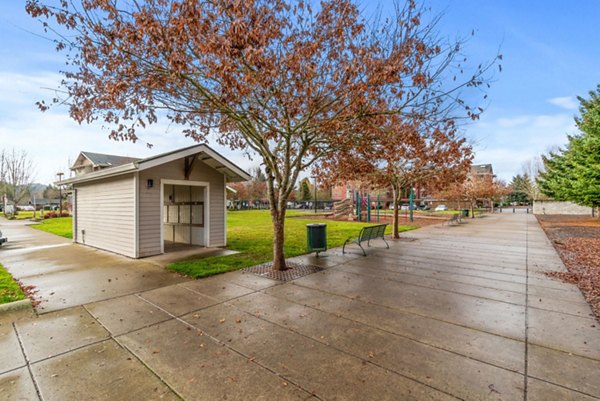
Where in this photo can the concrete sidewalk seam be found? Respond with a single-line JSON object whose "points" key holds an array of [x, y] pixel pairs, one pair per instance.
{"points": [[132, 353], [409, 312], [224, 344], [350, 354], [437, 289], [27, 363], [395, 334], [526, 366]]}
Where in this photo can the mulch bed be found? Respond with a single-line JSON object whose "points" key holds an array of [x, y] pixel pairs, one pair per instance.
{"points": [[577, 240]]}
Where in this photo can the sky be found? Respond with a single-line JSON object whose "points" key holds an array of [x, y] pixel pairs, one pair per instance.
{"points": [[551, 54]]}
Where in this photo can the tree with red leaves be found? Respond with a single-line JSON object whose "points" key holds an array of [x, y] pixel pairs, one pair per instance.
{"points": [[404, 156], [277, 78]]}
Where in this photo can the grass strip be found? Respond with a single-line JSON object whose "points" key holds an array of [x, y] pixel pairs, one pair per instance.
{"points": [[62, 226], [10, 290]]}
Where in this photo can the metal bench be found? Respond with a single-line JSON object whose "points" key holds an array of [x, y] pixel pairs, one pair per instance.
{"points": [[367, 234], [454, 219]]}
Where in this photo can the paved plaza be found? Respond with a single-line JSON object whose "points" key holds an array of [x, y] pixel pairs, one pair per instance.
{"points": [[448, 312]]}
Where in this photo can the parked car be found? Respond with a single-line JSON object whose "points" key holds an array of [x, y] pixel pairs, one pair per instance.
{"points": [[441, 208], [27, 208]]}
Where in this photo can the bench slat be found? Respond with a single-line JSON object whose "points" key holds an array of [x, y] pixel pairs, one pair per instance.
{"points": [[367, 234]]}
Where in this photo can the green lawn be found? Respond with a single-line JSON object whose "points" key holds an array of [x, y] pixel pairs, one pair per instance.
{"points": [[9, 288], [250, 232], [62, 226], [22, 215]]}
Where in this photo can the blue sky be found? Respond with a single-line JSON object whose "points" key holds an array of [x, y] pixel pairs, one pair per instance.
{"points": [[551, 55]]}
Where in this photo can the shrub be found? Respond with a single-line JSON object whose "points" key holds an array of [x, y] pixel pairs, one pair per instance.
{"points": [[51, 215]]}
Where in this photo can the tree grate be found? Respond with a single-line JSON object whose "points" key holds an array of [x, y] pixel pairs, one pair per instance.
{"points": [[294, 270]]}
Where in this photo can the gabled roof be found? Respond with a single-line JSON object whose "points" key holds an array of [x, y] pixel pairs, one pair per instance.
{"points": [[480, 169], [202, 152], [103, 160]]}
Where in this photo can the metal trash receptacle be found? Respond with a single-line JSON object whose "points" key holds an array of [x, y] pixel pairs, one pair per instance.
{"points": [[316, 237], [465, 212]]}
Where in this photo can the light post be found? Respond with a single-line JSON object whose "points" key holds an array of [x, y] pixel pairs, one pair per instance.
{"points": [[315, 177], [411, 202], [60, 174]]}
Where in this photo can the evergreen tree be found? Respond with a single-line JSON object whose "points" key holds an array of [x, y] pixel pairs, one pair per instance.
{"points": [[305, 190], [573, 173], [519, 189]]}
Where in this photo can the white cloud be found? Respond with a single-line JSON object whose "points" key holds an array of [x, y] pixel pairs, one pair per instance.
{"points": [[509, 141], [513, 121], [53, 140], [565, 102]]}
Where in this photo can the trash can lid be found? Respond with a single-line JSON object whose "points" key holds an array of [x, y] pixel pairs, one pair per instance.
{"points": [[316, 225]]}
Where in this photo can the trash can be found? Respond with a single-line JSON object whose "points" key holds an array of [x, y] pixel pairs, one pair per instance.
{"points": [[466, 212], [316, 238]]}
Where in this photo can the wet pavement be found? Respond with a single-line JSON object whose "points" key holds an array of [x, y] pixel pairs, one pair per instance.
{"points": [[67, 274], [452, 312]]}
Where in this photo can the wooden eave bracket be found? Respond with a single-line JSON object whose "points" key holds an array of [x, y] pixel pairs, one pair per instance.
{"points": [[188, 165]]}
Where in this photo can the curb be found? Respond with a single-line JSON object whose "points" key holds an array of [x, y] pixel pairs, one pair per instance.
{"points": [[15, 306]]}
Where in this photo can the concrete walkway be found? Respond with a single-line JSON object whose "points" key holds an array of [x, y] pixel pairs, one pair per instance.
{"points": [[460, 312], [67, 274]]}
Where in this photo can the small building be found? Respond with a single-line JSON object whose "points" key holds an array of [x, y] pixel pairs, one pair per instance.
{"points": [[482, 171], [88, 162], [140, 207]]}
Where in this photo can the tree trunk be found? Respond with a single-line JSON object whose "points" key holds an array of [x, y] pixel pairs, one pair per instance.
{"points": [[278, 218], [277, 206], [472, 209]]}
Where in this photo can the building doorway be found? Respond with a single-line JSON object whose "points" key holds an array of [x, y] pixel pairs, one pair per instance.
{"points": [[184, 216]]}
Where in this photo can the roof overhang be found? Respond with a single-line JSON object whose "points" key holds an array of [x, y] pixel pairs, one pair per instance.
{"points": [[202, 152]]}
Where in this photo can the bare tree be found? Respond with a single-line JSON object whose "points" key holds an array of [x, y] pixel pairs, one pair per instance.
{"points": [[531, 169], [17, 170]]}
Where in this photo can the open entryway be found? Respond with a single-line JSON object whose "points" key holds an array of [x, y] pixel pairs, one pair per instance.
{"points": [[184, 215]]}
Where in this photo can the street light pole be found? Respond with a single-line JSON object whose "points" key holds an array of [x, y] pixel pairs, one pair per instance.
{"points": [[411, 203], [315, 177], [60, 174]]}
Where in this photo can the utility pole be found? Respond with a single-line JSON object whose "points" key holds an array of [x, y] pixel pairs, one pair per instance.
{"points": [[60, 175], [315, 177], [411, 202]]}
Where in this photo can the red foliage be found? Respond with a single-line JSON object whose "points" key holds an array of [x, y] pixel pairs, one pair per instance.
{"points": [[51, 215]]}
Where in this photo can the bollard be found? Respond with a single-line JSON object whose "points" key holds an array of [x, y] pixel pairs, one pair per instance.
{"points": [[513, 209], [527, 210]]}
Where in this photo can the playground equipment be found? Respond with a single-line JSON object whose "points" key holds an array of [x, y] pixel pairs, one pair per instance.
{"points": [[342, 209], [363, 207]]}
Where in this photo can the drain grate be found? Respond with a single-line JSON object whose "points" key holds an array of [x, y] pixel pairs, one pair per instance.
{"points": [[294, 270]]}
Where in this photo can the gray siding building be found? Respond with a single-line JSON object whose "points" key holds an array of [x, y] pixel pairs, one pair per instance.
{"points": [[144, 206]]}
